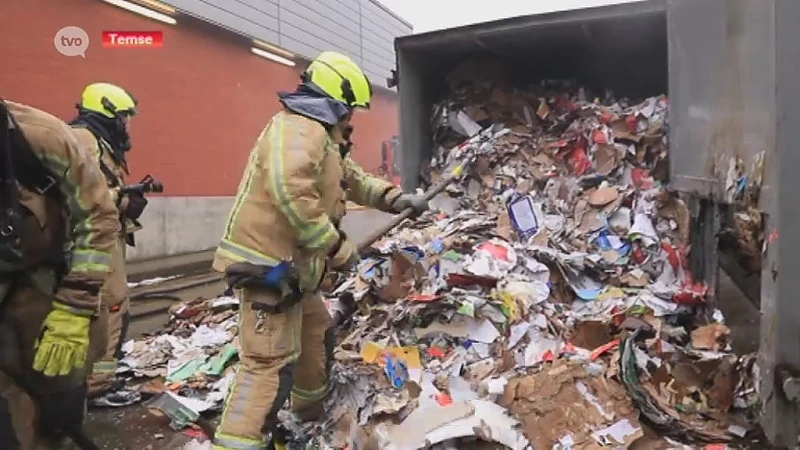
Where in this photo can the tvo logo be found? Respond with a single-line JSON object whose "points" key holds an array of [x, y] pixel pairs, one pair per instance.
{"points": [[71, 41]]}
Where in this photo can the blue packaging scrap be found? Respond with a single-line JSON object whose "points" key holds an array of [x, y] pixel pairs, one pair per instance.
{"points": [[396, 371], [521, 198]]}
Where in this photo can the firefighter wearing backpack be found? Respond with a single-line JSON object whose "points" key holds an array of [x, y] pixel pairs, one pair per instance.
{"points": [[101, 126], [58, 229], [281, 237]]}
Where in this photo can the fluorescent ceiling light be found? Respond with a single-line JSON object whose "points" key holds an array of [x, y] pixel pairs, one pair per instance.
{"points": [[156, 5], [272, 56], [258, 43], [133, 7]]}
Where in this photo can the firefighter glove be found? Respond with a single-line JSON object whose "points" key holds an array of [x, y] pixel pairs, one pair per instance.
{"points": [[136, 205], [60, 412], [416, 202], [346, 257], [64, 342]]}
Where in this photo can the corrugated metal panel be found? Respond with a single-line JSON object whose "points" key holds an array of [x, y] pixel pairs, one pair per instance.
{"points": [[301, 48], [255, 18], [375, 45], [332, 14], [378, 35], [352, 5], [377, 67], [375, 27], [376, 72], [391, 13], [362, 29], [306, 27], [318, 41], [379, 16], [379, 28]]}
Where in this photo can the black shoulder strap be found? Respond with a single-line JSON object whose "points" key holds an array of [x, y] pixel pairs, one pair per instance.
{"points": [[30, 171], [113, 180], [111, 177]]}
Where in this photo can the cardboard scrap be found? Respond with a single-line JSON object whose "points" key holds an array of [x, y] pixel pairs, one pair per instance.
{"points": [[713, 337]]}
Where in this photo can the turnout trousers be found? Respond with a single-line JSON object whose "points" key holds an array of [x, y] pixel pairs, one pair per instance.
{"points": [[21, 316], [115, 297], [282, 355]]}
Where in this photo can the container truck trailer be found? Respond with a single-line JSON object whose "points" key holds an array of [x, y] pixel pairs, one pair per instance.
{"points": [[730, 69]]}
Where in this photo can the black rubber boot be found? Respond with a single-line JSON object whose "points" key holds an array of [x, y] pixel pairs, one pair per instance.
{"points": [[278, 439]]}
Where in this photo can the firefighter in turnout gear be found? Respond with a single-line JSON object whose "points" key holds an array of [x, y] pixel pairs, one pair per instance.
{"points": [[281, 237], [101, 127], [58, 229]]}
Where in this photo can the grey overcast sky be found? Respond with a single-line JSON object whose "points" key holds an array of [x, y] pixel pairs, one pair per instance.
{"points": [[428, 15]]}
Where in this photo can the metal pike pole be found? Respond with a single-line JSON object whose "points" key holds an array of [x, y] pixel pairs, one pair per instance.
{"points": [[398, 219], [346, 299], [469, 147]]}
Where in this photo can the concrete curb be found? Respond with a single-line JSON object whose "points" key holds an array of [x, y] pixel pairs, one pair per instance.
{"points": [[171, 265]]}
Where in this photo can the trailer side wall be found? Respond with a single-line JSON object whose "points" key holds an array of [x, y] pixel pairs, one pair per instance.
{"points": [[620, 47]]}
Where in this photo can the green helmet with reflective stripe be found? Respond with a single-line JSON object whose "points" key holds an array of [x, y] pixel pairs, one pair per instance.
{"points": [[338, 77]]}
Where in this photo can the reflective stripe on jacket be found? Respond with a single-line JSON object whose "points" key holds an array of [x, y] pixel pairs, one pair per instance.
{"points": [[93, 217], [115, 291], [101, 151], [293, 196]]}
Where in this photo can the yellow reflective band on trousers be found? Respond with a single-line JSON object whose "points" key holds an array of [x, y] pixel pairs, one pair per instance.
{"points": [[104, 367], [240, 414], [229, 445], [312, 234], [224, 442], [310, 396], [265, 372], [235, 410], [86, 260]]}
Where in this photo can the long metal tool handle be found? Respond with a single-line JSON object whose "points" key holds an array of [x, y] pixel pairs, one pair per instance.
{"points": [[396, 220]]}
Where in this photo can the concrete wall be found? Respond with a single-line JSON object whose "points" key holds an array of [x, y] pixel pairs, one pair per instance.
{"points": [[177, 225], [169, 230], [204, 98], [363, 29]]}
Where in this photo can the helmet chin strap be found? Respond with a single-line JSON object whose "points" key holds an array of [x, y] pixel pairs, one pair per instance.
{"points": [[111, 130]]}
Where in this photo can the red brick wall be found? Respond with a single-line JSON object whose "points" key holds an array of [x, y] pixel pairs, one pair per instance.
{"points": [[203, 96]]}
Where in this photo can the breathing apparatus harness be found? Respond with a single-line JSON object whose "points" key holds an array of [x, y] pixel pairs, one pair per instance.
{"points": [[19, 166]]}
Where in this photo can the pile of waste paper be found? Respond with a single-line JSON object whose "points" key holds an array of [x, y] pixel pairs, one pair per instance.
{"points": [[190, 359], [544, 301]]}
